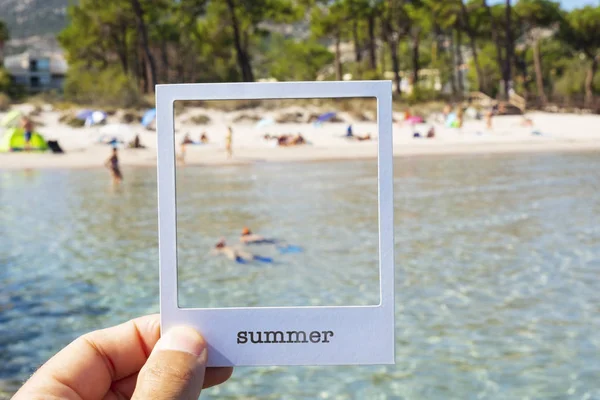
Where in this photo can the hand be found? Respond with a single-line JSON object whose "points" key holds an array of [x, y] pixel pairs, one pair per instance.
{"points": [[127, 361]]}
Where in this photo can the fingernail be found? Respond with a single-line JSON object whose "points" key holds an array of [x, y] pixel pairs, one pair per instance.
{"points": [[182, 338]]}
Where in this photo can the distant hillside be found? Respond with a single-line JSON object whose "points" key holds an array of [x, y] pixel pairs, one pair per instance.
{"points": [[27, 18]]}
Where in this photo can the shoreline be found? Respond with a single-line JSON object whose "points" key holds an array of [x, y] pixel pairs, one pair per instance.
{"points": [[327, 142], [146, 158]]}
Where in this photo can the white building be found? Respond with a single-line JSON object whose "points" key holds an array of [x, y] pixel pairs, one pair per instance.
{"points": [[37, 71]]}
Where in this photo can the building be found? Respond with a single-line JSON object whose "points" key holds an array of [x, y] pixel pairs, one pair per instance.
{"points": [[37, 71]]}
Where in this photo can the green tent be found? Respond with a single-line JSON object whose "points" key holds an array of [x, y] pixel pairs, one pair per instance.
{"points": [[14, 140]]}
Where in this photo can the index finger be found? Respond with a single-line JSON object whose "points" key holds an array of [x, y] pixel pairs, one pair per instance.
{"points": [[101, 357]]}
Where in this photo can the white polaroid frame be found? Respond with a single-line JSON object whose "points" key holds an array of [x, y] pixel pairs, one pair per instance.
{"points": [[299, 335]]}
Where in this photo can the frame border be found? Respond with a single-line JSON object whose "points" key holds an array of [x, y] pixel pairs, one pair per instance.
{"points": [[367, 332]]}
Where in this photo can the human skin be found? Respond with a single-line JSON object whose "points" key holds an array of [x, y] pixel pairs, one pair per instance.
{"points": [[127, 361]]}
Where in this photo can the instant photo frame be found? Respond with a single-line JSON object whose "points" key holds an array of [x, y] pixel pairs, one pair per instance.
{"points": [[290, 335]]}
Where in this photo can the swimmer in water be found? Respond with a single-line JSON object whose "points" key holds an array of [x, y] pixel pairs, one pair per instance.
{"points": [[113, 165], [237, 255], [247, 237]]}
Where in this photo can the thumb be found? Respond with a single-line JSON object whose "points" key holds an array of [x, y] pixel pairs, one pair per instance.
{"points": [[175, 368]]}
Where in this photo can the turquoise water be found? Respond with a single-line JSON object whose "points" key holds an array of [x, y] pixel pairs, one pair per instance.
{"points": [[498, 268]]}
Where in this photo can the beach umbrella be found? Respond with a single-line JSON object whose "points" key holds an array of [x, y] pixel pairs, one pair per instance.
{"points": [[265, 122], [84, 114], [325, 117], [10, 119], [96, 117], [149, 117], [121, 132]]}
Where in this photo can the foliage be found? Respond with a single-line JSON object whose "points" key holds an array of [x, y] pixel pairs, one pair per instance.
{"points": [[246, 40], [4, 102], [571, 82], [5, 82], [108, 87], [293, 60]]}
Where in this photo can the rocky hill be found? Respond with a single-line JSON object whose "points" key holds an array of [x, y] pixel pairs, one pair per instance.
{"points": [[33, 23]]}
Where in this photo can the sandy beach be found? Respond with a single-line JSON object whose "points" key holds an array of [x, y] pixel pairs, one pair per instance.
{"points": [[550, 132]]}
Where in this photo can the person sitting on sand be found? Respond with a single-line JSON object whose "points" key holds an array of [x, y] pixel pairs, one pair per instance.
{"points": [[431, 133], [203, 138], [113, 165], [27, 126], [187, 140], [136, 143], [236, 255]]}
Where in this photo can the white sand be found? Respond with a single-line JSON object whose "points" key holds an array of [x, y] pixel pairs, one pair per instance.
{"points": [[560, 132]]}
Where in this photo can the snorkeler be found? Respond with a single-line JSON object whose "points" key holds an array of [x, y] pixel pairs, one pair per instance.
{"points": [[239, 256], [247, 237]]}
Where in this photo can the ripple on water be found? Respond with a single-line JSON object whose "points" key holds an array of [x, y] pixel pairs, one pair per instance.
{"points": [[498, 264]]}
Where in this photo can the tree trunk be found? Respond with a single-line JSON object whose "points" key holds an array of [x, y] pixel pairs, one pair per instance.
{"points": [[139, 15], [357, 47], [395, 64], [509, 53], [164, 55], [453, 69], [415, 57], [338, 58], [242, 57], [539, 78], [473, 43], [459, 62], [589, 81], [495, 39], [372, 43], [144, 74]]}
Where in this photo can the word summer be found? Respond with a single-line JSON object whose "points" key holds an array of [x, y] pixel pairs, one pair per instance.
{"points": [[283, 337]]}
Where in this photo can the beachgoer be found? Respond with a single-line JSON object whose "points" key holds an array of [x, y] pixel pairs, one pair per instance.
{"points": [[283, 140], [446, 111], [229, 142], [349, 131], [136, 143], [113, 165], [187, 139], [526, 122], [431, 133], [298, 140], [128, 361], [247, 237], [459, 116], [237, 255], [203, 138], [493, 110], [27, 126]]}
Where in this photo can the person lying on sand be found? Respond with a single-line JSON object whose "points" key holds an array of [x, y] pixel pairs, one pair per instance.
{"points": [[236, 255], [351, 136], [287, 140]]}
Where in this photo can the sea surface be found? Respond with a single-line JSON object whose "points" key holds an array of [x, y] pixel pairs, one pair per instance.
{"points": [[497, 267]]}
